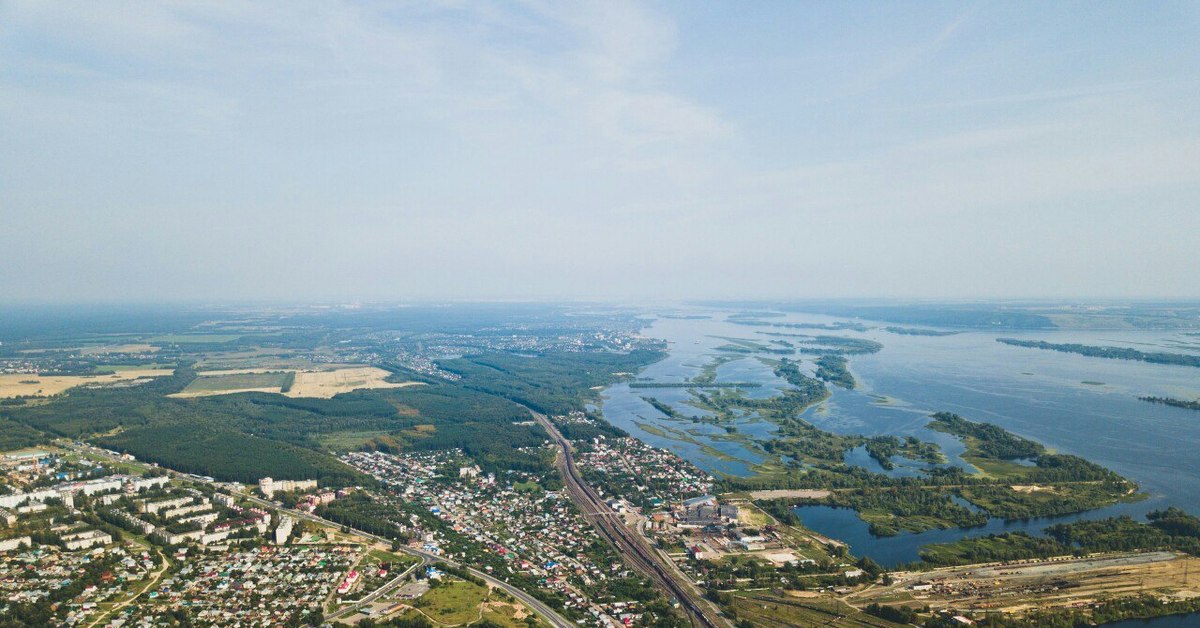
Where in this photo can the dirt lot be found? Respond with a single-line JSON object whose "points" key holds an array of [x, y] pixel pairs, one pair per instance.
{"points": [[21, 385]]}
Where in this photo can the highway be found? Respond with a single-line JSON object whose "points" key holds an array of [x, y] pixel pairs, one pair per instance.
{"points": [[545, 612], [629, 544]]}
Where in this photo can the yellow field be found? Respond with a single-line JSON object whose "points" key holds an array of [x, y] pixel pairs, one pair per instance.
{"points": [[21, 385], [321, 384], [325, 384]]}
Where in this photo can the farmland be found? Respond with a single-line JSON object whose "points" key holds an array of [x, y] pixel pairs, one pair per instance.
{"points": [[33, 385], [315, 384]]}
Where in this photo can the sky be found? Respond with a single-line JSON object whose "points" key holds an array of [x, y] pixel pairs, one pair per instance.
{"points": [[180, 151]]}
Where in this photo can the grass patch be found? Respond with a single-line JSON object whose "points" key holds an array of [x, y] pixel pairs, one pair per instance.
{"points": [[217, 384], [454, 602]]}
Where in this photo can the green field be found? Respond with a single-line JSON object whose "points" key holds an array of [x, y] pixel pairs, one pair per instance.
{"points": [[238, 381]]}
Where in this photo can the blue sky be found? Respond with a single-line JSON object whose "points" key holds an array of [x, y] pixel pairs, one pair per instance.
{"points": [[617, 150]]}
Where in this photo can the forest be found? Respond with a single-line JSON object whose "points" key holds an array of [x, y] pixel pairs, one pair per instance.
{"points": [[551, 382]]}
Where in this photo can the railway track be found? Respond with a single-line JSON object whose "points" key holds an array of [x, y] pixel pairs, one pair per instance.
{"points": [[629, 544]]}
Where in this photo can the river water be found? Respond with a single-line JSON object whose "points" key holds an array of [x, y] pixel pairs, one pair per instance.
{"points": [[1071, 403]]}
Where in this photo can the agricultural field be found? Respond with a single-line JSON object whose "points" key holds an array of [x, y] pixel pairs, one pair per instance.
{"points": [[30, 385], [293, 383], [230, 382], [119, 348]]}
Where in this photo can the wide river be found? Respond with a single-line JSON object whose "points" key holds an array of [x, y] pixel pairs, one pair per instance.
{"points": [[1071, 403]]}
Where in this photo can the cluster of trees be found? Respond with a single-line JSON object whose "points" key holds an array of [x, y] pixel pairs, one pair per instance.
{"points": [[884, 448], [1116, 353], [359, 511], [896, 614]]}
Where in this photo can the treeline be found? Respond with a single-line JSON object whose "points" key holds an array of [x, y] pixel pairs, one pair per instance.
{"points": [[1116, 353], [1177, 403]]}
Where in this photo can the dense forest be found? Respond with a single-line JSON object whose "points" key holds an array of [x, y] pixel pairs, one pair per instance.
{"points": [[552, 382]]}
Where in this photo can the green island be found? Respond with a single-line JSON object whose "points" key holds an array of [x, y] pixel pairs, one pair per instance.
{"points": [[1114, 353], [833, 369], [1176, 403], [839, 326], [917, 331]]}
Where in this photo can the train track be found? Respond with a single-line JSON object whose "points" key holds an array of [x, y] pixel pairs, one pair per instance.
{"points": [[630, 545]]}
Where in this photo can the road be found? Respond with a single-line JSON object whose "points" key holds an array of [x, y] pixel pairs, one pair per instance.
{"points": [[545, 612], [629, 544]]}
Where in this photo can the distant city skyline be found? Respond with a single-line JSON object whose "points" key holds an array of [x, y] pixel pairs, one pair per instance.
{"points": [[544, 150]]}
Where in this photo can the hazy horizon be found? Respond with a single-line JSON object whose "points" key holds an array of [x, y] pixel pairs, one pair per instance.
{"points": [[666, 151]]}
